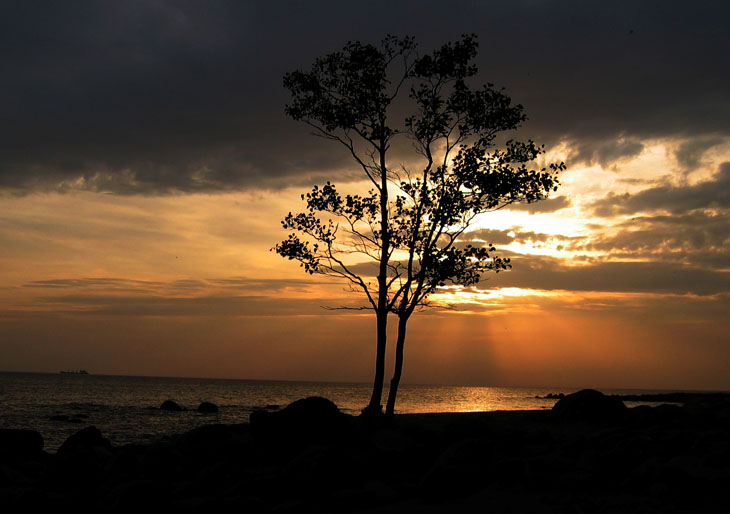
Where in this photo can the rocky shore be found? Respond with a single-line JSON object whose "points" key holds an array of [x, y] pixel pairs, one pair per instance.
{"points": [[588, 454]]}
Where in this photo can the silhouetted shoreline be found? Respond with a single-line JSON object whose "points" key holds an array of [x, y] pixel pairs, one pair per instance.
{"points": [[680, 397], [588, 454]]}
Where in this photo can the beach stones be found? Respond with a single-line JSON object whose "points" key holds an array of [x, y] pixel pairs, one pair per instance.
{"points": [[171, 405], [590, 405], [309, 457]]}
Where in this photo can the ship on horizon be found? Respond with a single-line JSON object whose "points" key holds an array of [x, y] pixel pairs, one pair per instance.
{"points": [[75, 372]]}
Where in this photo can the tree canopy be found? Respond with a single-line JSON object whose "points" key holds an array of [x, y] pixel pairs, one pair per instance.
{"points": [[411, 223]]}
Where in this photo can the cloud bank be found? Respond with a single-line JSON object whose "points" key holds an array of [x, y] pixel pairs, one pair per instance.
{"points": [[150, 98]]}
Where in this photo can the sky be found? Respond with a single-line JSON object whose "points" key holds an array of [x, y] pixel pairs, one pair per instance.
{"points": [[146, 163]]}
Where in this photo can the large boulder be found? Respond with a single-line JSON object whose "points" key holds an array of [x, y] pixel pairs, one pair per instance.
{"points": [[171, 405], [309, 420], [208, 408], [20, 442], [82, 459], [85, 441], [590, 405]]}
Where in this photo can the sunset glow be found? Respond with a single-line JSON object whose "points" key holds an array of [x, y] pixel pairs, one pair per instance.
{"points": [[136, 236]]}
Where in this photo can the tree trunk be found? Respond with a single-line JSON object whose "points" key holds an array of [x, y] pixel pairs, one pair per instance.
{"points": [[395, 381], [381, 312], [375, 407]]}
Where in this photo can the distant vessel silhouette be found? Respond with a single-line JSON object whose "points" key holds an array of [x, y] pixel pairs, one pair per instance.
{"points": [[77, 372]]}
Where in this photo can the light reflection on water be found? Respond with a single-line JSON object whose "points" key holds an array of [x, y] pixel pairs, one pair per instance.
{"points": [[126, 410]]}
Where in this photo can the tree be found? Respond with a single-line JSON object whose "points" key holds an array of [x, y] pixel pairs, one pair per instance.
{"points": [[411, 222]]}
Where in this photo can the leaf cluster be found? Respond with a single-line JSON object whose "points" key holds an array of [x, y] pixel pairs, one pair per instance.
{"points": [[412, 222]]}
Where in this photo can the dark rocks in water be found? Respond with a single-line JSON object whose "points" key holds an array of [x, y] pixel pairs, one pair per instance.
{"points": [[590, 405], [313, 419], [171, 405], [75, 418], [550, 396], [20, 441], [272, 406], [208, 408]]}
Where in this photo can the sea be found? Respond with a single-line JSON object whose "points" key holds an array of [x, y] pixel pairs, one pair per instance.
{"points": [[126, 408]]}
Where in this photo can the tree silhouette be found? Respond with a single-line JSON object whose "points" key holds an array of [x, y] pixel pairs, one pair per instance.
{"points": [[410, 224]]}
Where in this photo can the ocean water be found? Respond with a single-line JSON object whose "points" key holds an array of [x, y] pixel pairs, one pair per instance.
{"points": [[126, 409]]}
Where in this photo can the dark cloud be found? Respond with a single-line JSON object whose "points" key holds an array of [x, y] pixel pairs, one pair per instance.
{"points": [[697, 238], [231, 296], [102, 283], [533, 272], [490, 236], [149, 97], [713, 193], [543, 206], [672, 308], [689, 154], [599, 151], [113, 284], [505, 237], [142, 306]]}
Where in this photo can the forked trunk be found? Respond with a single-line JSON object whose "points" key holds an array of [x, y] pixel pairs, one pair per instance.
{"points": [[395, 381]]}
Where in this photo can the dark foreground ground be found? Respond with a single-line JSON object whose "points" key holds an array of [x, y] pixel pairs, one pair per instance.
{"points": [[589, 454]]}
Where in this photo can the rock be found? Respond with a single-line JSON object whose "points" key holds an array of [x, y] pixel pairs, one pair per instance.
{"points": [[148, 493], [316, 469], [161, 461], [313, 419], [76, 418], [208, 408], [215, 442], [206, 435], [664, 414], [126, 464], [20, 441], [86, 440], [462, 467], [171, 405], [391, 441], [590, 405], [81, 460], [311, 409], [642, 415]]}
